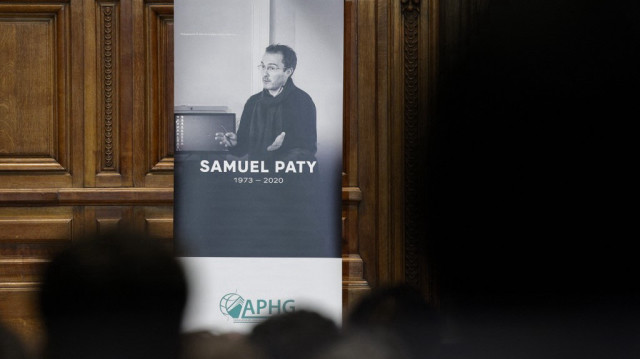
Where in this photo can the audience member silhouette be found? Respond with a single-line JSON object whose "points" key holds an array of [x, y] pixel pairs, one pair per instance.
{"points": [[119, 296], [402, 312], [298, 335], [206, 345], [370, 345]]}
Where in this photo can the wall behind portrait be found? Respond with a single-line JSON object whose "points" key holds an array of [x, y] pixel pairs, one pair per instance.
{"points": [[218, 50], [312, 28]]}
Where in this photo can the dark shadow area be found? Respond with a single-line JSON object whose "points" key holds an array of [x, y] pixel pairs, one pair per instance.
{"points": [[10, 345], [400, 322], [205, 345], [119, 296], [301, 334], [531, 184], [531, 163]]}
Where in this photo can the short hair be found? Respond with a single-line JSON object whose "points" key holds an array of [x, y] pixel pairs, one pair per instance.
{"points": [[121, 293], [289, 58], [299, 334]]}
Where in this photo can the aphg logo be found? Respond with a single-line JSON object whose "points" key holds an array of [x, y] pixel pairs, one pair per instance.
{"points": [[234, 306]]}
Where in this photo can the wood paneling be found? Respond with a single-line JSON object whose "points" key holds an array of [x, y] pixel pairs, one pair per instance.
{"points": [[156, 222], [107, 92], [34, 94], [86, 135], [28, 237], [159, 227], [28, 87], [354, 282], [21, 271], [105, 219], [33, 232], [365, 118], [154, 126], [350, 143], [33, 228], [18, 308]]}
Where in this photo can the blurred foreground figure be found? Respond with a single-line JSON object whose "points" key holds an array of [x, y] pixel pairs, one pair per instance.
{"points": [[120, 296], [366, 346], [400, 317], [206, 345], [10, 345], [296, 335]]}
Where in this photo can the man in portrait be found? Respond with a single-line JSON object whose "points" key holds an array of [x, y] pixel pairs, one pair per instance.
{"points": [[279, 122]]}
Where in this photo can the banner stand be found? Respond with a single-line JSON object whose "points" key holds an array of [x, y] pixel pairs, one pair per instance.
{"points": [[258, 159]]}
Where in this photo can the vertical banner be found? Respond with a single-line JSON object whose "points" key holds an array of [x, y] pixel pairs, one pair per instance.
{"points": [[258, 158]]}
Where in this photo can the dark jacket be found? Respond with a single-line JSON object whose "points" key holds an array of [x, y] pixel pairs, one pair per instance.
{"points": [[264, 117]]}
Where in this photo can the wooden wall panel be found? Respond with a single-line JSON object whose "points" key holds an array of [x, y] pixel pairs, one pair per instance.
{"points": [[29, 236], [156, 222], [107, 92], [154, 95], [18, 308], [33, 233], [354, 282], [21, 271], [67, 115], [42, 229], [104, 219], [34, 95], [28, 84], [365, 120], [350, 143]]}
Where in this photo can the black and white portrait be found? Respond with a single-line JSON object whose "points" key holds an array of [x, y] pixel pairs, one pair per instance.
{"points": [[220, 64], [278, 122], [270, 185]]}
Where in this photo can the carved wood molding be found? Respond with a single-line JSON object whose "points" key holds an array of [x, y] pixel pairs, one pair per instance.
{"points": [[87, 196], [410, 6], [412, 168], [159, 100], [109, 46], [69, 196], [30, 164]]}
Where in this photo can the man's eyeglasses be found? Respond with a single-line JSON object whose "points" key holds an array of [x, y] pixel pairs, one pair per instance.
{"points": [[270, 69]]}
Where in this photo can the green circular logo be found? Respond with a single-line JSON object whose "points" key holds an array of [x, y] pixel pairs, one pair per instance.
{"points": [[231, 305]]}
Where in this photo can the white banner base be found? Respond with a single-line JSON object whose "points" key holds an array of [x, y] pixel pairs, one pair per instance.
{"points": [[231, 294]]}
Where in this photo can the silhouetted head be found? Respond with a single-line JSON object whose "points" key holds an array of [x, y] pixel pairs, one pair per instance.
{"points": [[369, 345], [206, 345], [121, 294], [402, 312], [297, 335]]}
